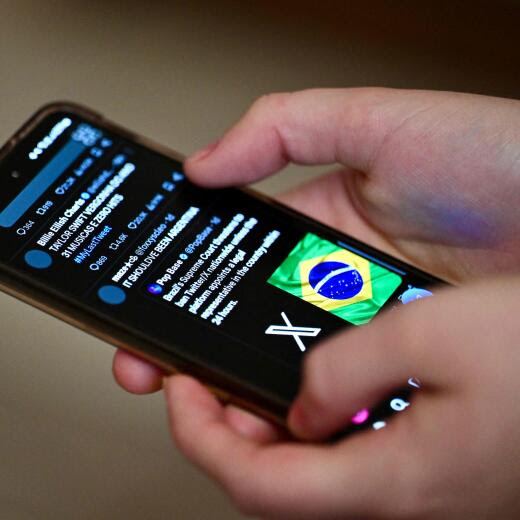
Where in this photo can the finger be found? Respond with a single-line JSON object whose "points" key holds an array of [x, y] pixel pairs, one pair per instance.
{"points": [[360, 367], [282, 479], [308, 127], [136, 375]]}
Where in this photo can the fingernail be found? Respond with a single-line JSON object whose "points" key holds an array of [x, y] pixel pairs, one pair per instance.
{"points": [[202, 154]]}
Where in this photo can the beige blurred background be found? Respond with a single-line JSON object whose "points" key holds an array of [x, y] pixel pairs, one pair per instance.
{"points": [[72, 444]]}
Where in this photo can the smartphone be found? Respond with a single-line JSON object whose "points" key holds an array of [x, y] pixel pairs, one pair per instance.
{"points": [[101, 228]]}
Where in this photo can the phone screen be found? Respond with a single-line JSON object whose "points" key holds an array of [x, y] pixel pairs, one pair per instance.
{"points": [[219, 277]]}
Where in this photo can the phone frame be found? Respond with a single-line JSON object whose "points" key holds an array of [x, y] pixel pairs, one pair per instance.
{"points": [[228, 389]]}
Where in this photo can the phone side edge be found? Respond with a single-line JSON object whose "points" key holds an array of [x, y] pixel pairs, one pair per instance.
{"points": [[226, 390]]}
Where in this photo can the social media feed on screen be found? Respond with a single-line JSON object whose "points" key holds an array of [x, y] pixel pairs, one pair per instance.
{"points": [[118, 227]]}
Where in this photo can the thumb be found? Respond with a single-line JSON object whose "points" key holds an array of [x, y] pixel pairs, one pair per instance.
{"points": [[320, 126], [360, 367]]}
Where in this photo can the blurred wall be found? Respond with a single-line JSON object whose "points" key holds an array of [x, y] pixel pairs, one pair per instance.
{"points": [[72, 444]]}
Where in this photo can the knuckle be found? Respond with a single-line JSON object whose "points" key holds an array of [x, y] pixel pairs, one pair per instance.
{"points": [[269, 103]]}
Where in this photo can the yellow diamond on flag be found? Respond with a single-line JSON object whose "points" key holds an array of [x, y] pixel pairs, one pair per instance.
{"points": [[343, 262]]}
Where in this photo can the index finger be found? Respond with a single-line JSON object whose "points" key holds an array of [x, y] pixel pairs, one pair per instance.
{"points": [[319, 126]]}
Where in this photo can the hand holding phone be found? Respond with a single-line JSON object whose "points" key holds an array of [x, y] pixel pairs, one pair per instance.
{"points": [[423, 157], [100, 227], [458, 437]]}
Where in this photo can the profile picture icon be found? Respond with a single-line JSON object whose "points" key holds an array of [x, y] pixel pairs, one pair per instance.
{"points": [[111, 294], [38, 259], [154, 288]]}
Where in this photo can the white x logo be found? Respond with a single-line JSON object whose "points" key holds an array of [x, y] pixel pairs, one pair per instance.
{"points": [[289, 330]]}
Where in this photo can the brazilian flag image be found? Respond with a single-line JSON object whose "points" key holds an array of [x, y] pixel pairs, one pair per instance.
{"points": [[335, 279]]}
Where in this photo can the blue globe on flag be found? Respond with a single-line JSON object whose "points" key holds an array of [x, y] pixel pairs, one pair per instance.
{"points": [[336, 280]]}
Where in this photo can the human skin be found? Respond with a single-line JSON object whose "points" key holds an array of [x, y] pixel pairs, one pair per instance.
{"points": [[433, 178]]}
